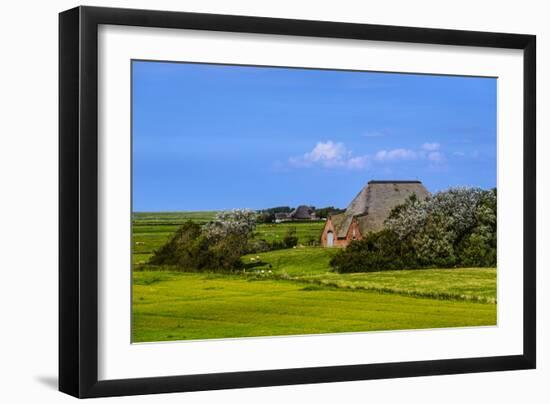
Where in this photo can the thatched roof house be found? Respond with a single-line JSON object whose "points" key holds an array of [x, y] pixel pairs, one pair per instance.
{"points": [[368, 211], [302, 212]]}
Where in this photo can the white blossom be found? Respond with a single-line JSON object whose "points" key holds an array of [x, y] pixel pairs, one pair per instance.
{"points": [[240, 222]]}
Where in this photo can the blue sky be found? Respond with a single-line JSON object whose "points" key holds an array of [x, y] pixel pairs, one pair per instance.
{"points": [[209, 137]]}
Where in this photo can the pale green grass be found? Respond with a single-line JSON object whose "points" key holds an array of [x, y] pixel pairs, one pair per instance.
{"points": [[173, 217], [305, 231], [175, 306], [311, 265], [298, 261]]}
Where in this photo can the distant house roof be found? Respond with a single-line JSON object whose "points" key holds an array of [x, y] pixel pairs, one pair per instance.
{"points": [[302, 212], [373, 204]]}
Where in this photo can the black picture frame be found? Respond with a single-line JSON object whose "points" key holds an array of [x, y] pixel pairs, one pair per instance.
{"points": [[78, 201]]}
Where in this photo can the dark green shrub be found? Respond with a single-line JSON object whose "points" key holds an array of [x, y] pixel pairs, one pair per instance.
{"points": [[225, 254], [479, 246], [376, 252], [324, 213], [191, 250], [290, 239], [476, 250], [258, 246], [277, 245], [195, 254], [266, 217], [169, 253]]}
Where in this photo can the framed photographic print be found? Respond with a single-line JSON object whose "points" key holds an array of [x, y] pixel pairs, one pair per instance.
{"points": [[250, 201]]}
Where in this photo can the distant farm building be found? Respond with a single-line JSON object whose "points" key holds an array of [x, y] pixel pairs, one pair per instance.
{"points": [[302, 212], [368, 211]]}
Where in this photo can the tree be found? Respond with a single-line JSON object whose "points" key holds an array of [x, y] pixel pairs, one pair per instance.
{"points": [[378, 251], [479, 247], [241, 222], [187, 249], [216, 246], [324, 213], [438, 225], [266, 217]]}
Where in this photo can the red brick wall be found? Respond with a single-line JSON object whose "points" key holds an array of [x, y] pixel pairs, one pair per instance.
{"points": [[337, 241]]}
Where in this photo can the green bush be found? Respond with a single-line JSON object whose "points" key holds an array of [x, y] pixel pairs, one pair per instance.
{"points": [[225, 254], [180, 245], [479, 246], [290, 239], [259, 246], [266, 217], [193, 249], [376, 252], [324, 213], [476, 250]]}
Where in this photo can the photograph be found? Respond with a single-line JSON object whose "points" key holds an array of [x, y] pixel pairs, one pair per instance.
{"points": [[273, 201]]}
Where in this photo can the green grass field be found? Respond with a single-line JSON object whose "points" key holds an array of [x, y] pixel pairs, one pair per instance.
{"points": [[311, 265], [293, 291], [304, 231], [176, 306]]}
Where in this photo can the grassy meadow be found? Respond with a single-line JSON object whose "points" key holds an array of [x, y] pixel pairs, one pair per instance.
{"points": [[293, 291]]}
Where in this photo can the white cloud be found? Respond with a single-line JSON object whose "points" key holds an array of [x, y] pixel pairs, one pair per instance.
{"points": [[428, 151], [430, 146], [358, 163], [330, 154], [326, 153], [436, 157], [395, 154]]}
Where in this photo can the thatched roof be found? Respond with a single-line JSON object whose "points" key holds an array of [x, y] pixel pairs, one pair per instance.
{"points": [[341, 223], [373, 204], [302, 212]]}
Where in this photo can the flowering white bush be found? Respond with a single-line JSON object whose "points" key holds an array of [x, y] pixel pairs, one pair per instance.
{"points": [[238, 222], [454, 210], [437, 227]]}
